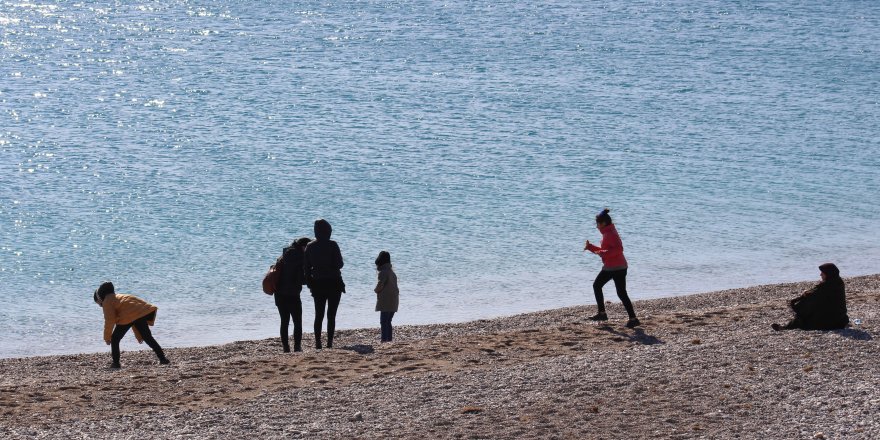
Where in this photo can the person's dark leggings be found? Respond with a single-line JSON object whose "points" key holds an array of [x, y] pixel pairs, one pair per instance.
{"points": [[290, 306], [331, 303], [143, 328], [619, 277], [385, 322]]}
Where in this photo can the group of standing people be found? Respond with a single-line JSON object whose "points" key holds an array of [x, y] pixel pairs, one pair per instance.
{"points": [[317, 263]]}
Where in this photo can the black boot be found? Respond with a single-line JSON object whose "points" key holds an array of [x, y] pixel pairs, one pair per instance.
{"points": [[601, 316], [161, 355]]}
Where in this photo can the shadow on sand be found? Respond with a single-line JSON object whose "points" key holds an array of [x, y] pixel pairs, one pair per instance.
{"points": [[360, 348], [852, 333], [638, 336]]}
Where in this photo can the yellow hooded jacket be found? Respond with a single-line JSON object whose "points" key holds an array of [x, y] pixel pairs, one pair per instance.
{"points": [[123, 309]]}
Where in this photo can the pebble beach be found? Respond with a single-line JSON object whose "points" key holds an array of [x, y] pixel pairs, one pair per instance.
{"points": [[700, 366]]}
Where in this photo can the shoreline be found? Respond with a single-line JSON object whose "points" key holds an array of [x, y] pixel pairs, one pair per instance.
{"points": [[609, 295], [702, 365]]}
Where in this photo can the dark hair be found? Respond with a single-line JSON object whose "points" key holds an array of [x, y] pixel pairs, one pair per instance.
{"points": [[301, 242], [603, 217], [830, 270], [383, 258], [105, 289]]}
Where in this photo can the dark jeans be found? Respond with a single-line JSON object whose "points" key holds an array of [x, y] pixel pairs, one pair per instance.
{"points": [[143, 328], [331, 303], [619, 277], [385, 323], [290, 306]]}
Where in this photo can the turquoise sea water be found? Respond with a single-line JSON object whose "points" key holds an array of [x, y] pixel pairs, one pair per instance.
{"points": [[175, 147]]}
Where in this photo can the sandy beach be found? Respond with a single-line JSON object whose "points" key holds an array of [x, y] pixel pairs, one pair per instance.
{"points": [[701, 366]]}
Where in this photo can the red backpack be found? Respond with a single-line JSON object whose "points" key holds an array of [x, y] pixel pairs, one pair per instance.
{"points": [[270, 280]]}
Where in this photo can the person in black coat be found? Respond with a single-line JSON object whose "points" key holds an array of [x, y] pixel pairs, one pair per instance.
{"points": [[323, 272], [290, 282], [823, 307]]}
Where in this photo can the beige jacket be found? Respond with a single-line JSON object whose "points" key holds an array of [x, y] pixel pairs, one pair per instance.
{"points": [[123, 309], [387, 294]]}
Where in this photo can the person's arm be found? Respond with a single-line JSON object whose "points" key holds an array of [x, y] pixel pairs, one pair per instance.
{"points": [[307, 267], [338, 256], [109, 319], [383, 278], [613, 247]]}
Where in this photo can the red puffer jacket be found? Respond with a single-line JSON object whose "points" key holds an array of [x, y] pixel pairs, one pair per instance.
{"points": [[611, 249]]}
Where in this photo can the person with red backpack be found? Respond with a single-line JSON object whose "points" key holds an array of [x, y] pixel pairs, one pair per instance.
{"points": [[614, 267], [287, 289]]}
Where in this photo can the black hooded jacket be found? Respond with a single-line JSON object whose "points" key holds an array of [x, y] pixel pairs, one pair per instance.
{"points": [[822, 307], [291, 279], [323, 259]]}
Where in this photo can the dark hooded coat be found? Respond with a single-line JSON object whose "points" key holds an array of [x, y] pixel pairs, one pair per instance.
{"points": [[323, 263], [291, 279], [823, 307]]}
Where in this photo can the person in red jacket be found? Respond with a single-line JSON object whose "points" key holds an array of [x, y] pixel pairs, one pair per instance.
{"points": [[613, 268]]}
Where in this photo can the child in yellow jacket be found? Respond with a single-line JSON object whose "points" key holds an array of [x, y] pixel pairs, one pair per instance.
{"points": [[122, 312]]}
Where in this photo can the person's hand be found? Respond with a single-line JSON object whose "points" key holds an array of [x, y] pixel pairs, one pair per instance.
{"points": [[107, 342], [587, 245]]}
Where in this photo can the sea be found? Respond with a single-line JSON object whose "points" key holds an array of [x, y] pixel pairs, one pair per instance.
{"points": [[175, 147]]}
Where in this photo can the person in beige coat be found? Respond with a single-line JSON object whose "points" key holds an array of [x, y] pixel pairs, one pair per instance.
{"points": [[122, 312], [387, 294]]}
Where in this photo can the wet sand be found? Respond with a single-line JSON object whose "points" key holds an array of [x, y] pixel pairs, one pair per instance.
{"points": [[701, 366]]}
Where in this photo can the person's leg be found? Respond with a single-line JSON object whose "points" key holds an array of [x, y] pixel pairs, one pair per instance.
{"points": [[118, 332], [297, 314], [601, 280], [284, 313], [332, 306], [144, 329], [619, 277], [320, 304], [389, 331], [795, 323], [383, 326]]}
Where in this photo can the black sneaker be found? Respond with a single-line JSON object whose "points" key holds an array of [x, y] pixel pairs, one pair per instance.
{"points": [[601, 316], [164, 361], [633, 322], [776, 327], [115, 366]]}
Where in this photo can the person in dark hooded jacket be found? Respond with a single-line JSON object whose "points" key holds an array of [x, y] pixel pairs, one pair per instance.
{"points": [[323, 272], [823, 307], [290, 282]]}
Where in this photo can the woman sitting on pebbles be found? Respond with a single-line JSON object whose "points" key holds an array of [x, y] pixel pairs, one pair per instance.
{"points": [[122, 312], [821, 308]]}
